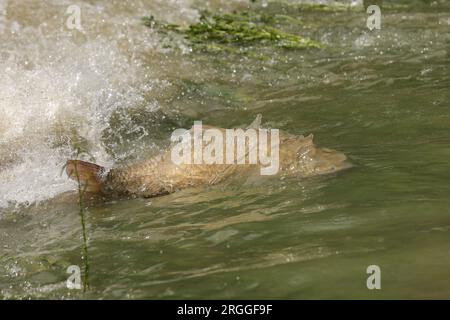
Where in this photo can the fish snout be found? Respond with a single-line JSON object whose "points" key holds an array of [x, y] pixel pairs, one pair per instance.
{"points": [[329, 160]]}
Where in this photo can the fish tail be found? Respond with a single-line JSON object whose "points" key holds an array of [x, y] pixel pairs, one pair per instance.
{"points": [[89, 175]]}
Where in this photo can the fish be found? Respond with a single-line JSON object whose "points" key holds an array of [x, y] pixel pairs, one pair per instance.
{"points": [[160, 175]]}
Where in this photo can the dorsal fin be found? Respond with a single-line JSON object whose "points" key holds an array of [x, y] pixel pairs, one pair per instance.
{"points": [[89, 175], [256, 124]]}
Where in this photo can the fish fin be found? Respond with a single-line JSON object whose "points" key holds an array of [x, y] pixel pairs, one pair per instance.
{"points": [[306, 143], [89, 175], [256, 124]]}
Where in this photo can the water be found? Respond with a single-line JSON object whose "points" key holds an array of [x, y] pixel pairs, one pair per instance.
{"points": [[117, 91]]}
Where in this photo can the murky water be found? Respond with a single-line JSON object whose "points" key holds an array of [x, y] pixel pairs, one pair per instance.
{"points": [[117, 90]]}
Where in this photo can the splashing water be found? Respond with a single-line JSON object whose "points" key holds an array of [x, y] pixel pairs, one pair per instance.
{"points": [[60, 86]]}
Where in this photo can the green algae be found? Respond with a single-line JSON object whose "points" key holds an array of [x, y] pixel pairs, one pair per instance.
{"points": [[238, 33], [243, 29]]}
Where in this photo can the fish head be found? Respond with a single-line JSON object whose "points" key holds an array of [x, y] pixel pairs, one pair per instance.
{"points": [[314, 160]]}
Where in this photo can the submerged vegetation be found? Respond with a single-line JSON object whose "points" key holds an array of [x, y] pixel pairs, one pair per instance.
{"points": [[81, 194], [238, 32], [85, 256]]}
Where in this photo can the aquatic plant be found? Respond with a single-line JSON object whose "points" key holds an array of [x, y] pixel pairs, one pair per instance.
{"points": [[236, 32], [85, 255], [232, 29], [81, 192]]}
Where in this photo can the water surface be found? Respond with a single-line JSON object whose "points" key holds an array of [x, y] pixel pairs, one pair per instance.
{"points": [[118, 90]]}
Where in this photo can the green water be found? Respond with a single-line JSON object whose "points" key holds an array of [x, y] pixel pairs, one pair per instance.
{"points": [[381, 97]]}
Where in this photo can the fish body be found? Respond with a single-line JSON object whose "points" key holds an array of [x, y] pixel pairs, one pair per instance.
{"points": [[159, 175]]}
